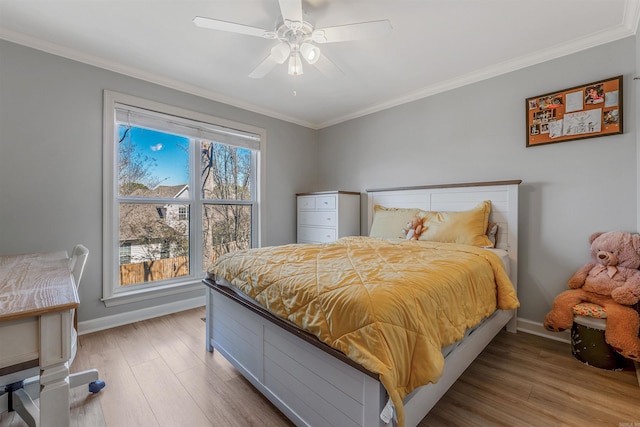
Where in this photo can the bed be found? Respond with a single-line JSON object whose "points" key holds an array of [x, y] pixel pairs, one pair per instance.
{"points": [[315, 384]]}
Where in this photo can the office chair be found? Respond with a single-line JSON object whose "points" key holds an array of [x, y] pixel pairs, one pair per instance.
{"points": [[77, 262], [19, 399]]}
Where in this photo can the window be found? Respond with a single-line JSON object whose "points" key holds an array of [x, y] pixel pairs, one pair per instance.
{"points": [[181, 188], [182, 213], [125, 253]]}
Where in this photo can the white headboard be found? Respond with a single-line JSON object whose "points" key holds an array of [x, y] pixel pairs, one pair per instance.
{"points": [[460, 197]]}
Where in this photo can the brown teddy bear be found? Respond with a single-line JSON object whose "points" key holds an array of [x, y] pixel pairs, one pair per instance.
{"points": [[611, 280], [413, 229]]}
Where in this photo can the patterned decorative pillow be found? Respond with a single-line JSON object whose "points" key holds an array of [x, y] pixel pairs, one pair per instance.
{"points": [[589, 309], [492, 233]]}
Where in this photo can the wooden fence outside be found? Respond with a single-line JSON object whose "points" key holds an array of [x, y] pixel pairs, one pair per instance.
{"points": [[150, 271], [166, 268]]}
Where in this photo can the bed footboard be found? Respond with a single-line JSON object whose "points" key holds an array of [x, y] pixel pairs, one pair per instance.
{"points": [[313, 385], [310, 387]]}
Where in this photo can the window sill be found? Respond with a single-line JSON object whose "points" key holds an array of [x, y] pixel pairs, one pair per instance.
{"points": [[127, 297]]}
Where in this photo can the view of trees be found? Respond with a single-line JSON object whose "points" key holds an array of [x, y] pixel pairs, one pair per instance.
{"points": [[157, 234], [134, 169], [226, 179]]}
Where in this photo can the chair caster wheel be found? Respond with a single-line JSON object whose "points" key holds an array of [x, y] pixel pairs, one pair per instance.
{"points": [[96, 386]]}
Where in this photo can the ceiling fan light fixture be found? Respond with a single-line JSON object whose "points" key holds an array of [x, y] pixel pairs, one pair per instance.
{"points": [[298, 38], [310, 53], [295, 65], [318, 36]]}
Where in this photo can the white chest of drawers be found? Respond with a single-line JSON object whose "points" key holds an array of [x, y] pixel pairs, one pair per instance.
{"points": [[326, 216]]}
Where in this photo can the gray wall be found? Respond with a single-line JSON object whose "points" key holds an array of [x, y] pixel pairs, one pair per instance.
{"points": [[51, 160], [477, 133]]}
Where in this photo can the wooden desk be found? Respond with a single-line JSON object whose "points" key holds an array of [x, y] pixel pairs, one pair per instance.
{"points": [[37, 298]]}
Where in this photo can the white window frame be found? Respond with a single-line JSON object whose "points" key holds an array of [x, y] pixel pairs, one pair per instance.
{"points": [[113, 293]]}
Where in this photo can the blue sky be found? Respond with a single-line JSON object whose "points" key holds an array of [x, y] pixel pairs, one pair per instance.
{"points": [[169, 152]]}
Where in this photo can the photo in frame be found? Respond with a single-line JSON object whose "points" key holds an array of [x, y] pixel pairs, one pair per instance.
{"points": [[585, 111]]}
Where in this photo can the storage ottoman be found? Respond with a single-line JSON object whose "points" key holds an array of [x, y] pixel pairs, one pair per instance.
{"points": [[587, 338]]}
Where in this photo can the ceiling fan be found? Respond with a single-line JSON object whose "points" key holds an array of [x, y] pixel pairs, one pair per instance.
{"points": [[297, 39]]}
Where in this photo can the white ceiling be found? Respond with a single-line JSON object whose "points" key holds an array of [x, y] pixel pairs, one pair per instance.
{"points": [[435, 45]]}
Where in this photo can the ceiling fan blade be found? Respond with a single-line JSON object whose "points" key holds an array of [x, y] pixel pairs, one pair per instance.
{"points": [[291, 10], [279, 54], [232, 27], [327, 67], [348, 32], [264, 68]]}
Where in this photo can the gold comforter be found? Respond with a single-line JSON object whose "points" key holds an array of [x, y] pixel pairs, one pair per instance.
{"points": [[389, 305]]}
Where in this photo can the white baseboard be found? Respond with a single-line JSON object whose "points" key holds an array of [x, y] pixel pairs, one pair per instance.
{"points": [[102, 323], [536, 328], [106, 322]]}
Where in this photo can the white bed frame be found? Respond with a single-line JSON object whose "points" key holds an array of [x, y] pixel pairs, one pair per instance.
{"points": [[312, 384]]}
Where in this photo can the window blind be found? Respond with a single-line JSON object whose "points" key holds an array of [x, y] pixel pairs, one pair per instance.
{"points": [[138, 117]]}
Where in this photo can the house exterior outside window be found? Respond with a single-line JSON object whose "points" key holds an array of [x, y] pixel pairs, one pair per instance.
{"points": [[181, 188]]}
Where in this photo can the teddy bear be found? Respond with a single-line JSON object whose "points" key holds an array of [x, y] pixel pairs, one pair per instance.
{"points": [[413, 229], [611, 280]]}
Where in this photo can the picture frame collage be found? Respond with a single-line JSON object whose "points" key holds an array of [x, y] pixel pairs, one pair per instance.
{"points": [[586, 111]]}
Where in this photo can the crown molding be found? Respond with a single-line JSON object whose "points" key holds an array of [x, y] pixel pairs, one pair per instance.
{"points": [[629, 28], [631, 16], [75, 55]]}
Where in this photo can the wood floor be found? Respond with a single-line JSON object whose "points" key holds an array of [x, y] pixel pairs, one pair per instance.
{"points": [[159, 374]]}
